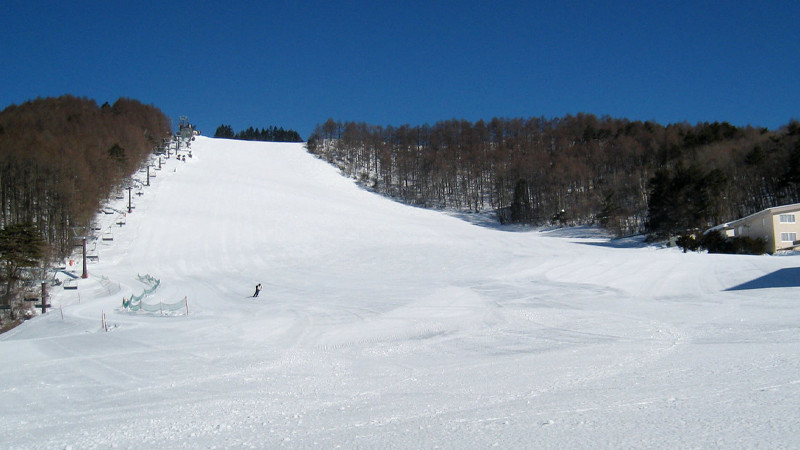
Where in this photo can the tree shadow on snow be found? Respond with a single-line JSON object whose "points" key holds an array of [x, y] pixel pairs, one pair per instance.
{"points": [[485, 220], [780, 278], [489, 220], [626, 242]]}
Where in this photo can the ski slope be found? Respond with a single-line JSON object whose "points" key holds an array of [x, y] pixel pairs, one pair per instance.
{"points": [[386, 326]]}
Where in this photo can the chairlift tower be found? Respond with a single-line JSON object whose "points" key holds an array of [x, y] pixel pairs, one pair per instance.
{"points": [[185, 129], [82, 237], [130, 207]]}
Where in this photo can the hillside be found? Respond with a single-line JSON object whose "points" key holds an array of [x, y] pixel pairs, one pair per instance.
{"points": [[60, 157], [631, 177], [382, 325]]}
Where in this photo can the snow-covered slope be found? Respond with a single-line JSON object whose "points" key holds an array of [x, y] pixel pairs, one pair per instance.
{"points": [[382, 325]]}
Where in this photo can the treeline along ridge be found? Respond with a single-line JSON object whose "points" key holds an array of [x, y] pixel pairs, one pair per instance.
{"points": [[629, 176]]}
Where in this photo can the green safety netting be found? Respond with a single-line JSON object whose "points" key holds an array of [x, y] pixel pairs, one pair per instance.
{"points": [[146, 278], [135, 303], [161, 306]]}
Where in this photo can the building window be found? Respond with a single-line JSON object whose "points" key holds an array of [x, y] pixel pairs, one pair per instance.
{"points": [[788, 237], [787, 218]]}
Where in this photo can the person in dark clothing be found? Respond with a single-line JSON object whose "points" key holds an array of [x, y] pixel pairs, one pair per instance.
{"points": [[258, 289]]}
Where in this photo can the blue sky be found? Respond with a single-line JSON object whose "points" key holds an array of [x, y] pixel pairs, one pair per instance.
{"points": [[295, 64]]}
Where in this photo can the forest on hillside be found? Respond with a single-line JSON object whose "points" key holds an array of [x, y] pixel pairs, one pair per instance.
{"points": [[60, 158], [628, 176]]}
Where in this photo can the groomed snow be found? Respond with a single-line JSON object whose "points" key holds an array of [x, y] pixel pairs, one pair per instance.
{"points": [[386, 326]]}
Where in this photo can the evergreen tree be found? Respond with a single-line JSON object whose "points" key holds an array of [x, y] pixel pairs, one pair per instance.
{"points": [[611, 215], [521, 203], [21, 246], [224, 131], [270, 134], [684, 199]]}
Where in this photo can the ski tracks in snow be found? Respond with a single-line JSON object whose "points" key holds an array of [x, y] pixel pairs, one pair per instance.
{"points": [[383, 325]]}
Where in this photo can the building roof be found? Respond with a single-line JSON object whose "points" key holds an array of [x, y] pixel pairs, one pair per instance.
{"points": [[772, 211]]}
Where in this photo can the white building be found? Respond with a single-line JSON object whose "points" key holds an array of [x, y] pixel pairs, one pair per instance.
{"points": [[779, 226]]}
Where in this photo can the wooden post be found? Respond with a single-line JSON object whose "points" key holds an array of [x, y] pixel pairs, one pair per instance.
{"points": [[44, 304], [85, 271]]}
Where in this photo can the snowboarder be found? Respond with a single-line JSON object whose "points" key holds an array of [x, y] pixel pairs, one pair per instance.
{"points": [[258, 289]]}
